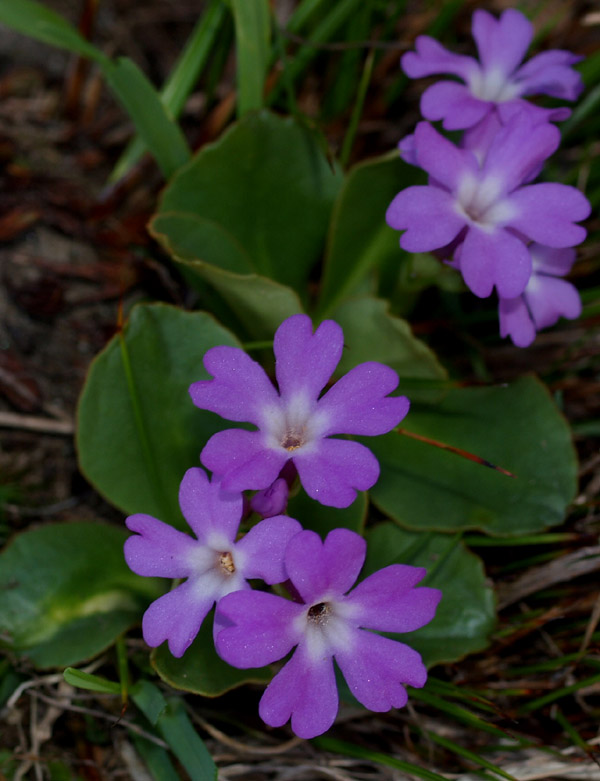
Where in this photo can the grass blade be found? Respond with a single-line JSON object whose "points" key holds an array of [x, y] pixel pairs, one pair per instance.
{"points": [[351, 750], [93, 683], [182, 79], [160, 133], [176, 729], [156, 759], [252, 36], [470, 755], [36, 21]]}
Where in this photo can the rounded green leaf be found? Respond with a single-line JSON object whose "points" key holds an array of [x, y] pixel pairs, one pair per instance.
{"points": [[465, 616], [266, 186], [66, 593], [516, 427], [260, 304], [371, 333], [200, 670], [138, 430]]}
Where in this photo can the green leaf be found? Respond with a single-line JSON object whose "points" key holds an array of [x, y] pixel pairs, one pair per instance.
{"points": [[94, 683], [175, 727], [321, 519], [466, 615], [200, 670], [66, 592], [359, 238], [264, 190], [41, 23], [160, 133], [371, 333], [517, 427], [252, 34], [138, 430], [259, 303]]}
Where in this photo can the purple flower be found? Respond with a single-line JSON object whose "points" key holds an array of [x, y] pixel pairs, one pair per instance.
{"points": [[214, 563], [546, 298], [496, 81], [295, 423], [326, 624], [478, 203]]}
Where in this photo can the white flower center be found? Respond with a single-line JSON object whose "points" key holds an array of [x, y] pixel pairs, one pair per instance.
{"points": [[216, 561], [326, 628], [479, 201], [294, 425], [492, 85]]}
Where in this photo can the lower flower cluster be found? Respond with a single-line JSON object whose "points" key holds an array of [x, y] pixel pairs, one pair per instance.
{"points": [[325, 617]]}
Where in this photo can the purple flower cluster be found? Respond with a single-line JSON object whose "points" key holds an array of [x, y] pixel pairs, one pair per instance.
{"points": [[480, 210], [325, 618]]}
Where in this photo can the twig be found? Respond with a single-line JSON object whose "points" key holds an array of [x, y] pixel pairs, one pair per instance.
{"points": [[215, 733], [33, 423], [67, 705], [572, 565]]}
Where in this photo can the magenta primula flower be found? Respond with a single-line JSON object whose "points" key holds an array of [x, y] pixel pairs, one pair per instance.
{"points": [[294, 423], [214, 563], [546, 297], [498, 80], [328, 623], [479, 205]]}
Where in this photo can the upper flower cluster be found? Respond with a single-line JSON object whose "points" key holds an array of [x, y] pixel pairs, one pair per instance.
{"points": [[480, 209], [498, 81]]}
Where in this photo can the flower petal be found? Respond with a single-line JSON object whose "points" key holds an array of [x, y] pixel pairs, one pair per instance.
{"points": [[537, 114], [431, 57], [259, 628], [551, 260], [428, 216], [157, 550], [550, 73], [455, 104], [515, 321], [502, 43], [240, 388], [337, 469], [357, 403], [519, 148], [207, 507], [305, 361], [304, 690], [263, 548], [376, 667], [345, 552], [547, 212], [549, 298], [388, 602], [442, 159], [497, 258], [177, 617], [241, 460], [307, 566]]}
